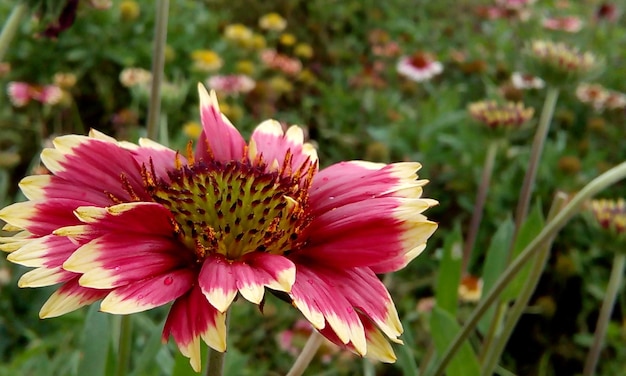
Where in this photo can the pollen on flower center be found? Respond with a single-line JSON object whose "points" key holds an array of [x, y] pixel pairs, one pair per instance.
{"points": [[233, 208]]}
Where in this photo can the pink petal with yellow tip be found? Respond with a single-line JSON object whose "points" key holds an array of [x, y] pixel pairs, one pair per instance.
{"points": [[191, 318], [148, 293], [68, 298]]}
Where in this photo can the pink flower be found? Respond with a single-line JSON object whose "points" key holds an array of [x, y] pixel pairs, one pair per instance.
{"points": [[140, 226], [419, 67], [20, 93], [231, 84], [278, 61], [570, 24]]}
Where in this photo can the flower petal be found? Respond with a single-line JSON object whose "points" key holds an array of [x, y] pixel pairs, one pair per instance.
{"points": [[148, 293], [42, 217], [48, 251], [217, 282], [115, 260], [155, 156], [274, 145], [39, 187], [44, 277], [68, 298], [219, 140], [191, 318], [128, 218], [314, 294]]}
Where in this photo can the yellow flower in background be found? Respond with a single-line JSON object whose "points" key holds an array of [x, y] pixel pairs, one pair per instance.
{"points": [[238, 33], [192, 129], [306, 77], [64, 80], [273, 22], [206, 60], [280, 84], [129, 10], [232, 111], [287, 39], [303, 50], [245, 67], [257, 42], [170, 53]]}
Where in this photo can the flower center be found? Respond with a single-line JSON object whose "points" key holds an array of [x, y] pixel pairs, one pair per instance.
{"points": [[420, 60], [234, 208]]}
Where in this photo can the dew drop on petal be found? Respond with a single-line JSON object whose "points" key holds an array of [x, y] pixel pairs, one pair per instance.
{"points": [[168, 281], [331, 198], [117, 268]]}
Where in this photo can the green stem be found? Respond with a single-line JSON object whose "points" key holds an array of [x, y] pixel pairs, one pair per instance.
{"points": [[216, 362], [610, 177], [535, 155], [495, 351], [307, 354], [10, 27], [124, 346], [479, 204], [158, 63], [617, 273]]}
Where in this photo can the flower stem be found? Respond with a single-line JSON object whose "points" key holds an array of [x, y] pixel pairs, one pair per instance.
{"points": [[495, 351], [535, 155], [479, 204], [215, 366], [603, 181], [158, 63], [307, 354], [617, 273], [124, 346], [10, 27]]}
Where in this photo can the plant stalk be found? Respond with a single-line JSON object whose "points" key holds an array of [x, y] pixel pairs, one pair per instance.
{"points": [[495, 351], [603, 181], [535, 155], [615, 281], [307, 354], [216, 362], [479, 204], [10, 27], [158, 64], [124, 346]]}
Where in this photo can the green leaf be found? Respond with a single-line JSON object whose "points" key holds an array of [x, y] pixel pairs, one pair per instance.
{"points": [[495, 263], [95, 343], [449, 277], [443, 330], [146, 359], [529, 230]]}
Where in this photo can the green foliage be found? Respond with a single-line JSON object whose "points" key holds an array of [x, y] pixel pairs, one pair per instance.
{"points": [[354, 105]]}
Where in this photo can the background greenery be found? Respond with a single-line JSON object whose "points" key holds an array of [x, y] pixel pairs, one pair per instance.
{"points": [[355, 106]]}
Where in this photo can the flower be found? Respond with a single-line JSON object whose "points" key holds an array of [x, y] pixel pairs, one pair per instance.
{"points": [[503, 116], [129, 10], [140, 226], [192, 129], [238, 33], [419, 67], [303, 50], [594, 95], [278, 61], [273, 22], [64, 80], [607, 11], [610, 214], [526, 81], [206, 60], [287, 39], [560, 64], [570, 24], [470, 289], [20, 93], [130, 77], [245, 67], [231, 84]]}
